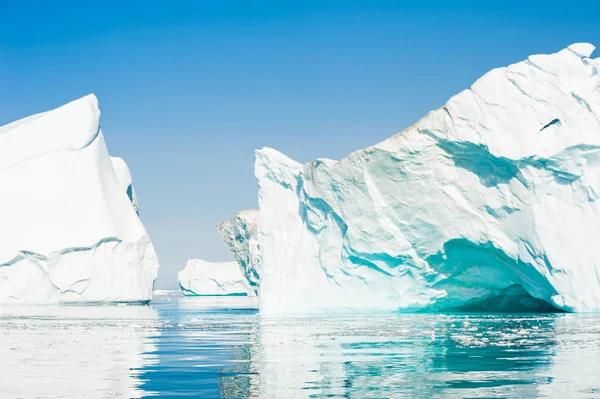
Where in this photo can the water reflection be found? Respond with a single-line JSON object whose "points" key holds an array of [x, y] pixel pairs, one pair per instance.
{"points": [[241, 355], [74, 351], [222, 348], [404, 356], [204, 348], [574, 370]]}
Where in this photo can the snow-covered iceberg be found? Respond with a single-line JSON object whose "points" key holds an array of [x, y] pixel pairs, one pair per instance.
{"points": [[201, 278], [493, 198], [70, 230]]}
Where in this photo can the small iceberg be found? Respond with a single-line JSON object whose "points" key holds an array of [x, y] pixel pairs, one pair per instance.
{"points": [[201, 278]]}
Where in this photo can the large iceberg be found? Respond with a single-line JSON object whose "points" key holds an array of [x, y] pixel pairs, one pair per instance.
{"points": [[70, 230], [201, 278], [492, 199]]}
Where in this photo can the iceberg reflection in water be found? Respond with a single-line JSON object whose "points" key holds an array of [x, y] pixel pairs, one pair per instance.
{"points": [[221, 348], [74, 351]]}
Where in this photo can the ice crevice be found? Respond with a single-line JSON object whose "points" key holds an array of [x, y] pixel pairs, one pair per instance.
{"points": [[554, 121]]}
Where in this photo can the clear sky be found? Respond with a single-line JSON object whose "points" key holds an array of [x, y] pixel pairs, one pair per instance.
{"points": [[188, 89]]}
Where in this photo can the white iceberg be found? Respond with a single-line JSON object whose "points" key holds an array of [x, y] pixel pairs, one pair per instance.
{"points": [[491, 199], [201, 278], [70, 230]]}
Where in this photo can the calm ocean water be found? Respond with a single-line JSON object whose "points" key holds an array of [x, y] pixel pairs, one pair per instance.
{"points": [[221, 348]]}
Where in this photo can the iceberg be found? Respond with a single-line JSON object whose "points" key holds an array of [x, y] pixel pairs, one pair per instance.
{"points": [[70, 230], [241, 234], [201, 278], [490, 200]]}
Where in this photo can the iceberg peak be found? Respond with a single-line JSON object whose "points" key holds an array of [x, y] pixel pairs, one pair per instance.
{"points": [[71, 127], [582, 49], [70, 230]]}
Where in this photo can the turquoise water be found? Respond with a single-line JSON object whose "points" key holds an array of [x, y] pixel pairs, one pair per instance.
{"points": [[220, 348]]}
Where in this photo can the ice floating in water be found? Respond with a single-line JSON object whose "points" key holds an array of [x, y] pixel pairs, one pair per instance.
{"points": [[200, 278], [70, 230], [241, 234], [494, 195]]}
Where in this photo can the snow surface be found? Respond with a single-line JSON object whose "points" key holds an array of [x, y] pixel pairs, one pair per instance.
{"points": [[70, 230], [200, 278], [494, 195]]}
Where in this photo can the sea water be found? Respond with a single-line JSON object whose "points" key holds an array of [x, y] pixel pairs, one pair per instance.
{"points": [[208, 347]]}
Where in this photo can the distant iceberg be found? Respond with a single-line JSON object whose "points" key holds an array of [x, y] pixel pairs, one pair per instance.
{"points": [[70, 230], [491, 199], [201, 278], [241, 234]]}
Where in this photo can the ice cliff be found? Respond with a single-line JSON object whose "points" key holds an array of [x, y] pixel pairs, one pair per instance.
{"points": [[241, 234], [492, 199], [201, 278], [70, 230]]}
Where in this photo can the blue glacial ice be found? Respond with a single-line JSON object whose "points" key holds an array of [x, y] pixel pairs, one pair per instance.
{"points": [[490, 200]]}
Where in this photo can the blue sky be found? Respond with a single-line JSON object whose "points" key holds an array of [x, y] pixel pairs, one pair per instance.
{"points": [[188, 89]]}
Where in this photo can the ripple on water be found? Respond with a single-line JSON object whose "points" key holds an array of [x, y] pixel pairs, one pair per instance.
{"points": [[221, 348]]}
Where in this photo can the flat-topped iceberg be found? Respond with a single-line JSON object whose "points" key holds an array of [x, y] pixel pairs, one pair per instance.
{"points": [[201, 278], [70, 230], [491, 199]]}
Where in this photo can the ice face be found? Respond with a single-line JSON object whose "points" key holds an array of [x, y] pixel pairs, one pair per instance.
{"points": [[70, 230], [241, 234], [200, 278], [494, 195]]}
